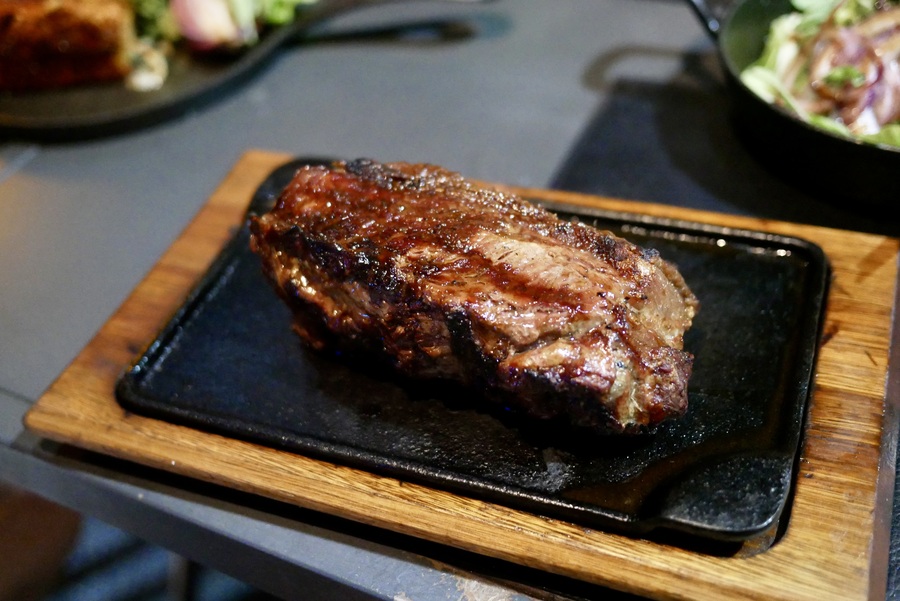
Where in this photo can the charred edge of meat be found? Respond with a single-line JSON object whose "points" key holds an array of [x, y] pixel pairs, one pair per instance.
{"points": [[534, 395], [558, 414]]}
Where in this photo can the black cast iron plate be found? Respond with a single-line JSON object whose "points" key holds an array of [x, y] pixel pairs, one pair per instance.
{"points": [[228, 362]]}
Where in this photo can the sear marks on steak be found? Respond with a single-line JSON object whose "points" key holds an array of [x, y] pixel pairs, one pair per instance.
{"points": [[448, 279]]}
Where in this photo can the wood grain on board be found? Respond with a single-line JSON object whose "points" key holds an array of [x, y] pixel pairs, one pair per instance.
{"points": [[836, 542]]}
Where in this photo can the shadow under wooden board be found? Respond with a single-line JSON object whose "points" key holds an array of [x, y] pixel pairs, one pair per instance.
{"points": [[835, 531]]}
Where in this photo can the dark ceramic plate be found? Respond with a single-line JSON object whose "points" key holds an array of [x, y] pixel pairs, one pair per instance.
{"points": [[99, 110], [105, 109], [229, 362]]}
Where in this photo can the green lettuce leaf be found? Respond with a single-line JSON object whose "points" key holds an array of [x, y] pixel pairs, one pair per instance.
{"points": [[280, 12], [889, 135]]}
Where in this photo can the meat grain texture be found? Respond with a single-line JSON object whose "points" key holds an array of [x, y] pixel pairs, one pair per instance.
{"points": [[447, 279]]}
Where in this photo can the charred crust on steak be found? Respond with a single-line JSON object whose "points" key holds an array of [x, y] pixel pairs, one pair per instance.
{"points": [[443, 278]]}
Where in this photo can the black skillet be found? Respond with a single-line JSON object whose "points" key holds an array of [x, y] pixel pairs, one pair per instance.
{"points": [[229, 362], [831, 167]]}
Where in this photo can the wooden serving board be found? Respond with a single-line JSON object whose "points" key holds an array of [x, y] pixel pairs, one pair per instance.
{"points": [[836, 542]]}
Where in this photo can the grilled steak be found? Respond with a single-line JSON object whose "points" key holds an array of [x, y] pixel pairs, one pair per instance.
{"points": [[448, 279]]}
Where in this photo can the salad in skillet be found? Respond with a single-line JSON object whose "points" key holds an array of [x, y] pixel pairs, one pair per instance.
{"points": [[836, 65]]}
